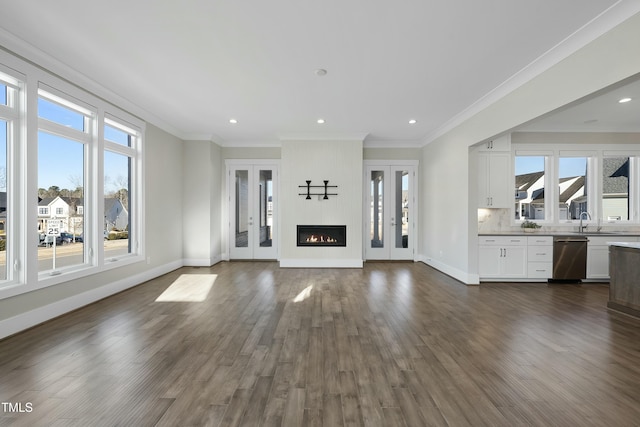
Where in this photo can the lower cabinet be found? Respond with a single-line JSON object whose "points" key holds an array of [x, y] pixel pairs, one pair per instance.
{"points": [[502, 257], [539, 257], [598, 255], [531, 257]]}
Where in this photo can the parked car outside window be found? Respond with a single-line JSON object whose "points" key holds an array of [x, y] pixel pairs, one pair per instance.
{"points": [[66, 237]]}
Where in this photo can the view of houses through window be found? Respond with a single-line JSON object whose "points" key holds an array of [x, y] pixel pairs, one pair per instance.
{"points": [[61, 162], [65, 132], [572, 187], [573, 178], [70, 181], [529, 194], [615, 189]]}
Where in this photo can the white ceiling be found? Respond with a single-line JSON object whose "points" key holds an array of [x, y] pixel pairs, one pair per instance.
{"points": [[194, 64]]}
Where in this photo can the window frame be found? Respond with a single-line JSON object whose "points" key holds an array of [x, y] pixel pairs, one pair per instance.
{"points": [[13, 114], [595, 156], [31, 81]]}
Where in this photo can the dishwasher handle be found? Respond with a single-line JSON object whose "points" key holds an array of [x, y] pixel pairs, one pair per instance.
{"points": [[571, 240]]}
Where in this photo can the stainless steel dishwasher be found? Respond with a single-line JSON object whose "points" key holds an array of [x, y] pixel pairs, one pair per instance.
{"points": [[570, 257]]}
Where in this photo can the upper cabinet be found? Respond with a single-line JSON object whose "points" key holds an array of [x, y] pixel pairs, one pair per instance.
{"points": [[494, 173], [502, 143]]}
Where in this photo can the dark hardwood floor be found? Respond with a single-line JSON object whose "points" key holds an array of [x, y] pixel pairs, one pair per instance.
{"points": [[387, 345]]}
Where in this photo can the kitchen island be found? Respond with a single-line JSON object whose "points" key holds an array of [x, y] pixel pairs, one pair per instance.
{"points": [[624, 270]]}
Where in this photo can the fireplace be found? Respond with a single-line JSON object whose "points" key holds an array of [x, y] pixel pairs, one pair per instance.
{"points": [[322, 235]]}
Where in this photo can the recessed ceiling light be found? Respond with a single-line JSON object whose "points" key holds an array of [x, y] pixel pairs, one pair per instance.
{"points": [[233, 121], [413, 121], [320, 121], [623, 100], [321, 72]]}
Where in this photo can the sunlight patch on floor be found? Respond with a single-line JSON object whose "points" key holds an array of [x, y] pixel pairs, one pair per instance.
{"points": [[188, 288], [306, 293]]}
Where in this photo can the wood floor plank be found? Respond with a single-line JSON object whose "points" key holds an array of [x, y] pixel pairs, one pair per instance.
{"points": [[386, 345]]}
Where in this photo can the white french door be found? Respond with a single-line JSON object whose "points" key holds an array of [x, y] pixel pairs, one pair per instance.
{"points": [[252, 211], [390, 211]]}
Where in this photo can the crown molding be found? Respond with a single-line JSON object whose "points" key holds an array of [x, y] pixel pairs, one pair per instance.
{"points": [[601, 24], [47, 63]]}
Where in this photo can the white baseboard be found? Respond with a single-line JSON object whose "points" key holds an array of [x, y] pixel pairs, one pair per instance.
{"points": [[462, 276], [39, 315], [320, 263], [201, 262]]}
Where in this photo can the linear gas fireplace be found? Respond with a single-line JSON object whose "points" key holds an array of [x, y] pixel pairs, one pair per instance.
{"points": [[322, 235]]}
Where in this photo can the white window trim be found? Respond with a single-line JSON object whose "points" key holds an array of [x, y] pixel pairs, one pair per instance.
{"points": [[31, 81], [594, 190]]}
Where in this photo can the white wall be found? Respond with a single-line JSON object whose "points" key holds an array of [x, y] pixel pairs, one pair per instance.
{"points": [[340, 162], [201, 190], [450, 240]]}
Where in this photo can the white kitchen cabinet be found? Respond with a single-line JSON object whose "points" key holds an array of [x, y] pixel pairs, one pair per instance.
{"points": [[539, 257], [494, 169], [502, 257], [502, 143], [598, 255], [597, 261]]}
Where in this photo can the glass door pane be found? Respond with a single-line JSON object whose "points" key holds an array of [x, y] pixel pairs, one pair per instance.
{"points": [[241, 209], [377, 209], [265, 206], [401, 209]]}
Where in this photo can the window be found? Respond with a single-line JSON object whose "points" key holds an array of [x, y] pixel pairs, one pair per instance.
{"points": [[529, 191], [61, 164], [3, 94], [9, 117], [572, 187], [119, 152], [3, 195], [599, 181], [615, 189], [85, 156]]}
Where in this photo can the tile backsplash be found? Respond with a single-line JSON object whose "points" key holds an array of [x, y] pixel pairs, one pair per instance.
{"points": [[493, 220], [499, 220]]}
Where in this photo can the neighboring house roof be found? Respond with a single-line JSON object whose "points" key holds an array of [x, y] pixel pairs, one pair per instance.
{"points": [[571, 191], [46, 201], [110, 202], [615, 175], [526, 180]]}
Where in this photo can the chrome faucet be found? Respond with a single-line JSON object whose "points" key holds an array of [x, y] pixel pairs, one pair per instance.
{"points": [[583, 227]]}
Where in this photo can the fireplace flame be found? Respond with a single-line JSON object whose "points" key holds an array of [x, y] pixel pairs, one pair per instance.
{"points": [[321, 238]]}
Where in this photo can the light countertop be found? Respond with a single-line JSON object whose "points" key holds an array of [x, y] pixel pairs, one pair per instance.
{"points": [[633, 245]]}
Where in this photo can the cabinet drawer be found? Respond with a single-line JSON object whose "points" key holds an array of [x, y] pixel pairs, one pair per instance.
{"points": [[540, 253], [502, 240], [540, 241], [540, 270]]}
